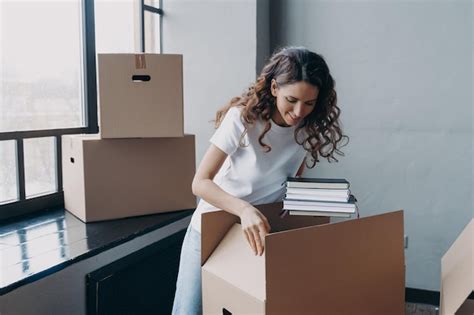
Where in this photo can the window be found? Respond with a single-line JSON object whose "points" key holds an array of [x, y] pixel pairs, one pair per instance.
{"points": [[152, 26], [48, 85]]}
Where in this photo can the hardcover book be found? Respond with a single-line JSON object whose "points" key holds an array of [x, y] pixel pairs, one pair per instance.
{"points": [[323, 183]]}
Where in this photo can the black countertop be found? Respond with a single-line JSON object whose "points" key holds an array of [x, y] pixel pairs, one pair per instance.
{"points": [[39, 245]]}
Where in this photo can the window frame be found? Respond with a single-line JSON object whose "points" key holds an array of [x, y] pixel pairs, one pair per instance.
{"points": [[23, 205], [145, 7]]}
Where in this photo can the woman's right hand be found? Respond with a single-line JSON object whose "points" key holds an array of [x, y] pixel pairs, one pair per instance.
{"points": [[255, 226]]}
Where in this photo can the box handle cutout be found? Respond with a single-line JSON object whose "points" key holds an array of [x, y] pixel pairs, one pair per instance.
{"points": [[72, 160], [226, 312], [140, 78]]}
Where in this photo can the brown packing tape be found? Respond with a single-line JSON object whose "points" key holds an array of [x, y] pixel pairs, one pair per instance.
{"points": [[140, 61]]}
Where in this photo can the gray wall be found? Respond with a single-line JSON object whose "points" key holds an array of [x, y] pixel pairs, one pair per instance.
{"points": [[404, 80], [218, 42], [263, 33]]}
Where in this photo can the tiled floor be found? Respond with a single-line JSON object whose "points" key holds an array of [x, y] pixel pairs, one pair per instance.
{"points": [[420, 309]]}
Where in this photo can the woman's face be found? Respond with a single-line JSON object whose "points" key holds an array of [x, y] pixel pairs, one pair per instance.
{"points": [[294, 102]]}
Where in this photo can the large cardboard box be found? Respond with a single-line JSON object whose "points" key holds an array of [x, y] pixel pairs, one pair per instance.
{"points": [[117, 178], [140, 95], [309, 266], [457, 275]]}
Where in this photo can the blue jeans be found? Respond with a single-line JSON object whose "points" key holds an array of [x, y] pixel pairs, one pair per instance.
{"points": [[188, 296]]}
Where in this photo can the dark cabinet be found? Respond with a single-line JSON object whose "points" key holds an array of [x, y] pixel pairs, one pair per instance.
{"points": [[143, 282]]}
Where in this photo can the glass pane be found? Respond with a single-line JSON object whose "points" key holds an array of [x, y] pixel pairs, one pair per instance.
{"points": [[40, 65], [152, 32], [40, 166], [8, 172], [153, 3], [115, 26]]}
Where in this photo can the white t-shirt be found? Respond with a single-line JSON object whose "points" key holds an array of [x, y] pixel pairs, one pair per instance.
{"points": [[250, 173]]}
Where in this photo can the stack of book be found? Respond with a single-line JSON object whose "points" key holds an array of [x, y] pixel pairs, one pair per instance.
{"points": [[319, 197]]}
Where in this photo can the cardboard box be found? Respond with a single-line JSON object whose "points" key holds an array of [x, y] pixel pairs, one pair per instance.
{"points": [[457, 275], [309, 266], [140, 95], [117, 178]]}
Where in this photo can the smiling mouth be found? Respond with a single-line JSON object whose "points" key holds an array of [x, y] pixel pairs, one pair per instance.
{"points": [[293, 118]]}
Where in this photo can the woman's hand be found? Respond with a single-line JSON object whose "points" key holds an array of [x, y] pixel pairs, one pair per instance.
{"points": [[255, 226]]}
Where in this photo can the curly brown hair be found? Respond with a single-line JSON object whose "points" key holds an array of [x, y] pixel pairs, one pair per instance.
{"points": [[287, 66]]}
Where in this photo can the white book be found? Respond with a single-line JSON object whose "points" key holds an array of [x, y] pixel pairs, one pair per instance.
{"points": [[290, 196], [324, 183], [320, 213], [319, 192], [318, 208], [349, 204]]}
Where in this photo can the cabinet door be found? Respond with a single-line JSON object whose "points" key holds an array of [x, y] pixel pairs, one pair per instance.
{"points": [[143, 282]]}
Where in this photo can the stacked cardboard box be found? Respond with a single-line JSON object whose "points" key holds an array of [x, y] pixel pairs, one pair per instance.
{"points": [[308, 266], [141, 162], [457, 275]]}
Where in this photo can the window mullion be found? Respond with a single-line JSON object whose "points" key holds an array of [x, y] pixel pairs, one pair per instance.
{"points": [[161, 27], [20, 161], [59, 166], [142, 25], [89, 65], [151, 9]]}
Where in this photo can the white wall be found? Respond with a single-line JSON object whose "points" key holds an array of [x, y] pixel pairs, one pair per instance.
{"points": [[403, 72], [218, 43]]}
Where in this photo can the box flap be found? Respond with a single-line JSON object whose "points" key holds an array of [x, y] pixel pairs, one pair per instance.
{"points": [[272, 213], [457, 276], [214, 225], [234, 262], [351, 267], [467, 308]]}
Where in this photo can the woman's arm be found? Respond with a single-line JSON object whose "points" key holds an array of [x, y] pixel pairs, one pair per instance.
{"points": [[254, 223]]}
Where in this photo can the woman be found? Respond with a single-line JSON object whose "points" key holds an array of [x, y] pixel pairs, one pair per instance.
{"points": [[262, 138]]}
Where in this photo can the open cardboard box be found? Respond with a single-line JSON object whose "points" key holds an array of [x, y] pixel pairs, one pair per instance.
{"points": [[457, 275], [309, 266]]}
